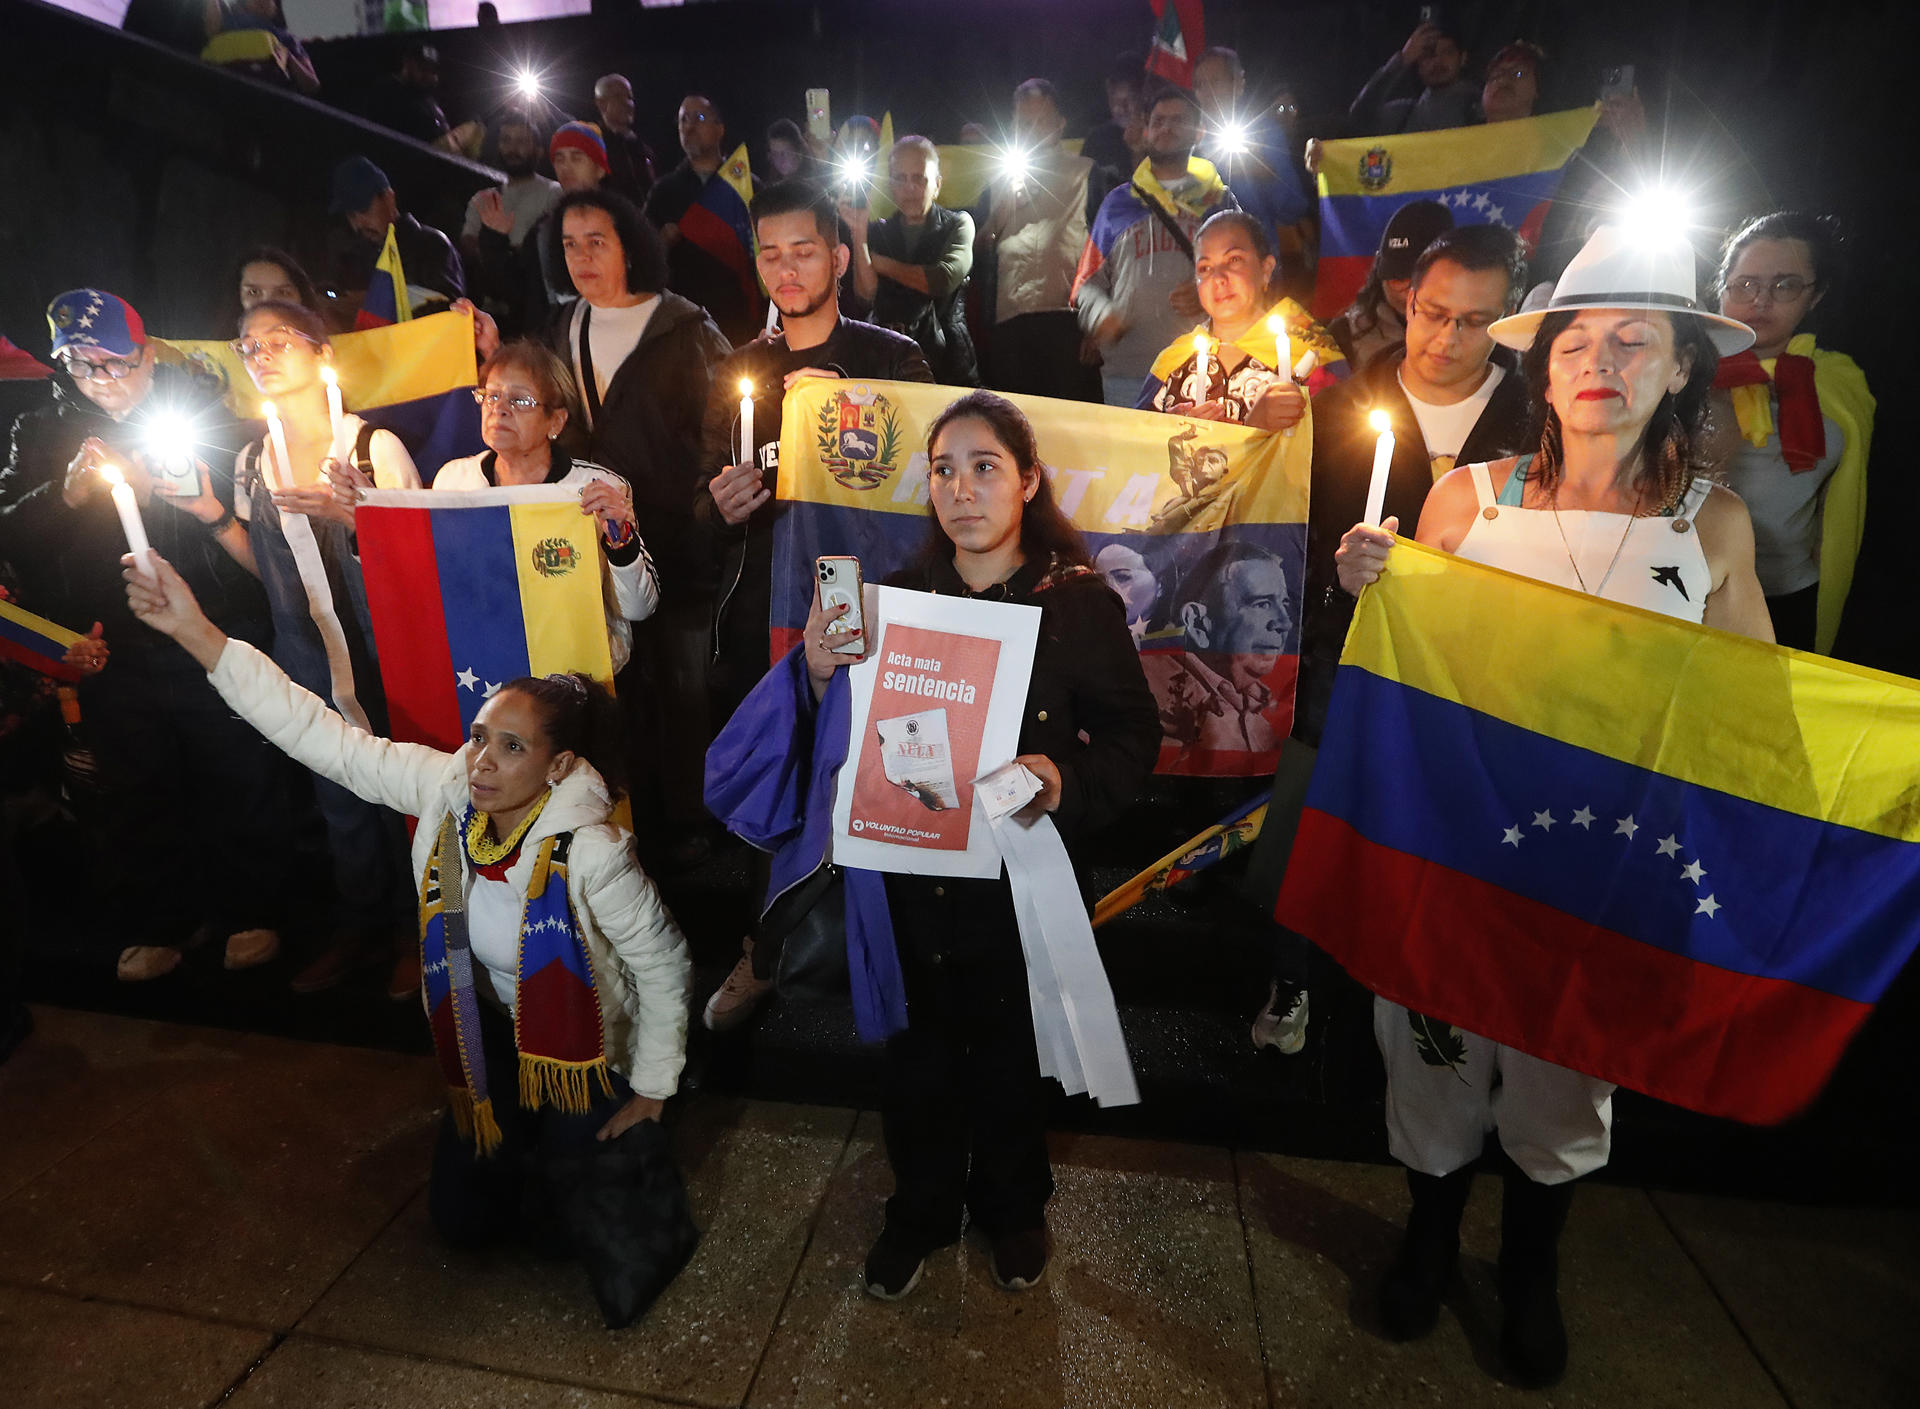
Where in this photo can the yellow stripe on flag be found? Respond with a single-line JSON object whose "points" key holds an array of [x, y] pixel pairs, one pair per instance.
{"points": [[1787, 729], [557, 555], [1457, 156], [389, 264], [20, 616], [965, 171], [1114, 470]]}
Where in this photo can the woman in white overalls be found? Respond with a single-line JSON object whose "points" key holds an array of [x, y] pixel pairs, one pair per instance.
{"points": [[1612, 502]]}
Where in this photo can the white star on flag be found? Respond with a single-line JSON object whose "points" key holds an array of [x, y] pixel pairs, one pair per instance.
{"points": [[1480, 201], [1626, 827], [1693, 871], [468, 680], [1496, 216], [1584, 818], [492, 689], [1708, 907], [1543, 820], [1512, 837], [1669, 845]]}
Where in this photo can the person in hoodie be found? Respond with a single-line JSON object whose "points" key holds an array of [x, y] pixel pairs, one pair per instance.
{"points": [[555, 980], [1134, 290]]}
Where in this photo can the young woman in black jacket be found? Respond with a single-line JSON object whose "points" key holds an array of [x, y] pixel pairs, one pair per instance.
{"points": [[965, 1115]]}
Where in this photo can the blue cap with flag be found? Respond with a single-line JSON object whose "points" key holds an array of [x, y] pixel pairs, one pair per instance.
{"points": [[95, 318]]}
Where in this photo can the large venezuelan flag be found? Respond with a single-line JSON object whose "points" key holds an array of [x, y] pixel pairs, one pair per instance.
{"points": [[468, 591], [1202, 523], [35, 642], [1499, 173], [1670, 857], [719, 223], [415, 379]]}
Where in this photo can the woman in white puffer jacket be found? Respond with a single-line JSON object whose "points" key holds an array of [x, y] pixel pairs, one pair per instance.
{"points": [[555, 980]]}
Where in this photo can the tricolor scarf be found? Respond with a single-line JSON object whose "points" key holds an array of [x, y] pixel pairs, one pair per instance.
{"points": [[1803, 434], [556, 1010], [1196, 201]]}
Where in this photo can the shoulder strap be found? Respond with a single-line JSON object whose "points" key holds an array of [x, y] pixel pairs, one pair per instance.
{"points": [[589, 385], [363, 450], [1161, 214], [1482, 482], [1695, 497]]}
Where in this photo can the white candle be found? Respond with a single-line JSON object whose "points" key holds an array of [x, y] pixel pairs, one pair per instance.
{"points": [[773, 317], [747, 456], [130, 523], [279, 463], [335, 411], [1282, 345], [1201, 369], [1304, 367], [1382, 457]]}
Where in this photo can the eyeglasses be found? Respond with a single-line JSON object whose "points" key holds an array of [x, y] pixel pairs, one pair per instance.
{"points": [[277, 341], [494, 401], [1515, 73], [112, 369], [1784, 289], [1466, 323]]}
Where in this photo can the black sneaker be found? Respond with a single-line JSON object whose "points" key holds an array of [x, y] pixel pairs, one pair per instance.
{"points": [[893, 1266], [1019, 1260]]}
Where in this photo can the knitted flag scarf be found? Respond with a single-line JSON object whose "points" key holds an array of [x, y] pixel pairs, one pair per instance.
{"points": [[556, 1010], [1803, 434]]}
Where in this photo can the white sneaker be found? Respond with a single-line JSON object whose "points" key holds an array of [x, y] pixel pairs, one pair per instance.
{"points": [[737, 999], [1282, 1028]]}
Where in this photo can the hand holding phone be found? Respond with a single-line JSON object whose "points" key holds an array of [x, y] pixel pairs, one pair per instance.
{"points": [[819, 114], [840, 584]]}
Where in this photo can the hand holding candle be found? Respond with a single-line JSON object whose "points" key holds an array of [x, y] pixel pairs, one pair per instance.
{"points": [[130, 521], [1382, 458]]}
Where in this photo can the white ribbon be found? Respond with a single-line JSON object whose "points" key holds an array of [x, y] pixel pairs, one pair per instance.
{"points": [[313, 576], [1076, 1028]]}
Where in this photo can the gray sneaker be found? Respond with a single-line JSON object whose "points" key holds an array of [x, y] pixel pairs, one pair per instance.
{"points": [[737, 999], [1282, 1024]]}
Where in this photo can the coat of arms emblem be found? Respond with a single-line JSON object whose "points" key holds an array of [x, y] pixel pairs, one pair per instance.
{"points": [[1376, 168], [858, 438]]}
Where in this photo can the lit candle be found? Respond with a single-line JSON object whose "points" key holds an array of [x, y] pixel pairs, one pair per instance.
{"points": [[335, 411], [1282, 345], [130, 524], [747, 456], [279, 463], [1382, 457], [773, 317], [1201, 369]]}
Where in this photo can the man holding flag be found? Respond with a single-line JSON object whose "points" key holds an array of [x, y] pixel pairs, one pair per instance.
{"points": [[701, 209], [378, 237]]}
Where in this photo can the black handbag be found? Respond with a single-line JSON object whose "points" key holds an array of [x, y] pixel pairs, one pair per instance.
{"points": [[801, 942], [624, 1212]]}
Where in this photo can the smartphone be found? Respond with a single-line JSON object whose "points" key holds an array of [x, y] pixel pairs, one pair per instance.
{"points": [[819, 114], [1616, 82], [840, 582]]}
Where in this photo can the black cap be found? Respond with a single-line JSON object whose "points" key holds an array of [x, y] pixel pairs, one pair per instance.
{"points": [[1414, 226]]}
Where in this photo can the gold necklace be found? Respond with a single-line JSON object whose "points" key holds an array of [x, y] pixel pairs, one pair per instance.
{"points": [[1553, 503], [483, 852]]}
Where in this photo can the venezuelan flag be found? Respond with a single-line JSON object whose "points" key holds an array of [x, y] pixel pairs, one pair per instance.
{"points": [[35, 642], [719, 223], [1499, 173], [386, 300], [1679, 860], [1200, 524], [468, 591], [415, 379]]}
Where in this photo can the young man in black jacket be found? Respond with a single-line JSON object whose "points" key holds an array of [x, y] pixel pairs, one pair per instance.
{"points": [[801, 260]]}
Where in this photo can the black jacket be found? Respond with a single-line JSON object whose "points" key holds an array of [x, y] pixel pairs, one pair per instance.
{"points": [[1086, 680], [1342, 465], [648, 431], [427, 258], [68, 559], [936, 320], [744, 552]]}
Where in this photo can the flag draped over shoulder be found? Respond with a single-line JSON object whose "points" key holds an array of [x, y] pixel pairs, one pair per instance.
{"points": [[468, 591], [415, 379], [1200, 525], [1497, 173], [35, 642], [718, 220], [386, 300], [1670, 857]]}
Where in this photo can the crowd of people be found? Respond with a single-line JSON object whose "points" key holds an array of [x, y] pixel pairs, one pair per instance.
{"points": [[1562, 441]]}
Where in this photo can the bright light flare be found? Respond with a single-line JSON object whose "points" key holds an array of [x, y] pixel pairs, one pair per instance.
{"points": [[1380, 421], [170, 437], [746, 387], [1235, 139], [1017, 165], [1658, 215], [527, 84]]}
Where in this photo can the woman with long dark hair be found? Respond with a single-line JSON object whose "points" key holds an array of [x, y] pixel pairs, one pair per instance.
{"points": [[965, 1114], [1612, 502], [555, 981]]}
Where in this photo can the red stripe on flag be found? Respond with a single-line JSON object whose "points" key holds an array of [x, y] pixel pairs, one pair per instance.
{"points": [[707, 230], [409, 625], [1535, 978], [1336, 280]]}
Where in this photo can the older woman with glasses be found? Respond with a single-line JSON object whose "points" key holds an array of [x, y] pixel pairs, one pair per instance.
{"points": [[1796, 422]]}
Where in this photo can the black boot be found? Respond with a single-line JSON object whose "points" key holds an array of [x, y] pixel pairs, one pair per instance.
{"points": [[1533, 1339], [1410, 1297]]}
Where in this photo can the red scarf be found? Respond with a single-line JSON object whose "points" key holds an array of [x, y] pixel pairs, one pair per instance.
{"points": [[1803, 433]]}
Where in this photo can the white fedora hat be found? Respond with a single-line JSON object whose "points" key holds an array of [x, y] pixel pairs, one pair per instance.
{"points": [[1620, 268]]}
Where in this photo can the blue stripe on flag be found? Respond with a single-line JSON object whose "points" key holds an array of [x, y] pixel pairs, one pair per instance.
{"points": [[1354, 224], [480, 595], [435, 429], [25, 636]]}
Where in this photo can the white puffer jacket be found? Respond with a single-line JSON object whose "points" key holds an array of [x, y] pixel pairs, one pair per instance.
{"points": [[640, 964]]}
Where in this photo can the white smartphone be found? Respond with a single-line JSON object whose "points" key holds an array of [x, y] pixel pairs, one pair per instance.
{"points": [[819, 114], [840, 582]]}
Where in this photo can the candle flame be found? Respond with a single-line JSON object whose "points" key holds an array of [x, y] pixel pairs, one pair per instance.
{"points": [[329, 376], [1199, 342], [746, 387], [266, 409], [111, 474], [1380, 421], [1276, 323]]}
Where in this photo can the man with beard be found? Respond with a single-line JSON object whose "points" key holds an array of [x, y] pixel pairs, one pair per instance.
{"points": [[515, 206], [801, 260], [1420, 89]]}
